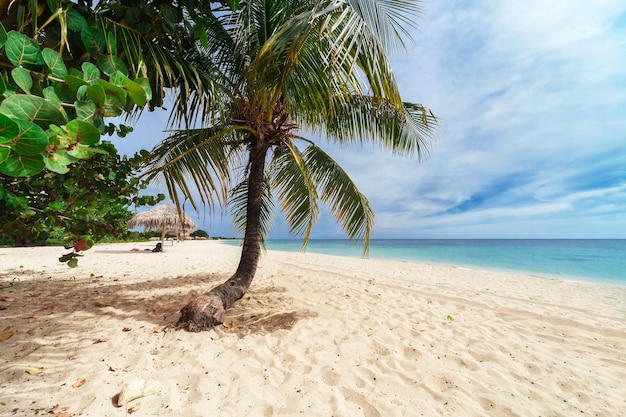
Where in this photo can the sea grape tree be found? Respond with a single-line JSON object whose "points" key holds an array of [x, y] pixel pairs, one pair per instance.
{"points": [[56, 92]]}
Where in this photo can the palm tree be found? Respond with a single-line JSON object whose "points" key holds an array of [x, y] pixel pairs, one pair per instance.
{"points": [[281, 70]]}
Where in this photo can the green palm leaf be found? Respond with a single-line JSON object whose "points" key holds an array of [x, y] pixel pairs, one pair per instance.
{"points": [[203, 156], [296, 190], [350, 208]]}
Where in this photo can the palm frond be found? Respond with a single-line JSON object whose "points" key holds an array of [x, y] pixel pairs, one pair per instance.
{"points": [[350, 208], [362, 119], [296, 191], [389, 19], [203, 156], [168, 63]]}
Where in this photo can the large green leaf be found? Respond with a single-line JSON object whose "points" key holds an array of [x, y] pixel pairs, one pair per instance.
{"points": [[22, 78], [136, 92], [86, 110], [75, 21], [8, 129], [58, 164], [90, 72], [50, 94], [96, 94], [32, 108], [82, 132], [145, 84], [23, 51], [81, 94], [55, 63], [4, 153], [31, 140], [114, 92], [22, 166], [74, 82], [84, 152], [94, 40], [110, 64]]}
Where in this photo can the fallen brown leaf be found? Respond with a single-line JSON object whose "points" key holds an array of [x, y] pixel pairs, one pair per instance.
{"points": [[35, 371], [104, 303], [126, 329], [58, 408], [6, 333], [112, 369], [134, 408], [79, 383], [6, 299], [95, 341]]}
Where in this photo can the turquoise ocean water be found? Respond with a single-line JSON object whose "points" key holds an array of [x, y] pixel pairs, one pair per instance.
{"points": [[591, 260]]}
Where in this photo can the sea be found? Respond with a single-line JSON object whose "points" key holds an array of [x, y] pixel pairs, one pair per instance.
{"points": [[587, 260]]}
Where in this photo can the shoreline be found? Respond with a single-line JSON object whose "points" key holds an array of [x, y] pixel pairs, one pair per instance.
{"points": [[315, 335], [589, 279]]}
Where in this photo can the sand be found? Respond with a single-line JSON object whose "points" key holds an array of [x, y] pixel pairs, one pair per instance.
{"points": [[316, 335]]}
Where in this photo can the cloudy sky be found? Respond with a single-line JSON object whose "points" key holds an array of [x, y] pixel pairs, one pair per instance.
{"points": [[532, 143]]}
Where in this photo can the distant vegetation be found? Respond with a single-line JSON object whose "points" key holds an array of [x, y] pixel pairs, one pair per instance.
{"points": [[90, 203], [199, 233]]}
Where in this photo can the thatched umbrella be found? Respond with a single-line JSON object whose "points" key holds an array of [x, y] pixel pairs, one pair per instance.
{"points": [[163, 217]]}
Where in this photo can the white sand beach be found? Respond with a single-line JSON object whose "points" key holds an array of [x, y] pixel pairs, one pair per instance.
{"points": [[316, 335]]}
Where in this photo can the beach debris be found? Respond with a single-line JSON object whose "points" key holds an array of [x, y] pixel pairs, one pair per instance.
{"points": [[126, 329], [6, 299], [134, 408], [5, 334], [35, 370], [96, 341], [104, 303], [79, 383], [156, 329], [60, 410], [137, 388]]}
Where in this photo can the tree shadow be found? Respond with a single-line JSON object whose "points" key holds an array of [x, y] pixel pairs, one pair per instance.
{"points": [[46, 307]]}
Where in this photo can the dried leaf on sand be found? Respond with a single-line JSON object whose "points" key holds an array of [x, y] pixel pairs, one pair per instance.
{"points": [[79, 383], [134, 408], [60, 411], [6, 333], [35, 370]]}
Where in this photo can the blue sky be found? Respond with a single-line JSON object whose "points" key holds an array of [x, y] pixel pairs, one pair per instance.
{"points": [[532, 143]]}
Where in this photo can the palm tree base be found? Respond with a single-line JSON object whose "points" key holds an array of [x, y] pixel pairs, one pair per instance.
{"points": [[207, 311], [202, 314]]}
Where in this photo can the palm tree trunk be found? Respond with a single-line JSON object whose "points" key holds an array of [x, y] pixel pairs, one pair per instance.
{"points": [[207, 310]]}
